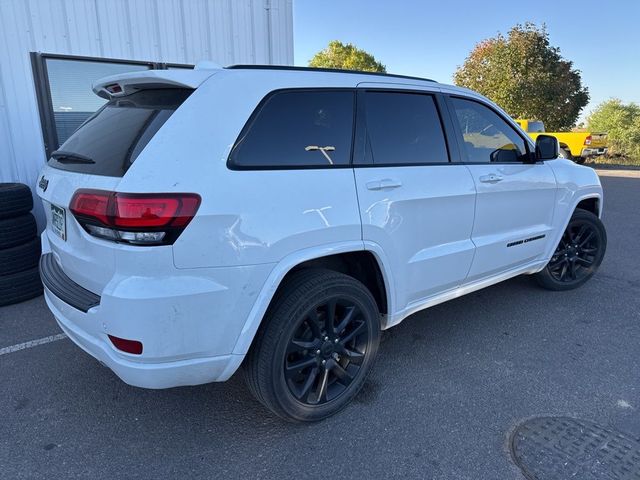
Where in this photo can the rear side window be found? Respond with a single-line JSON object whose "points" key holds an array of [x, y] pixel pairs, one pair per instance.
{"points": [[487, 137], [111, 139], [404, 128], [298, 129]]}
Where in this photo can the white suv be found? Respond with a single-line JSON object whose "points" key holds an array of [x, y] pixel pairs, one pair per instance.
{"points": [[279, 218]]}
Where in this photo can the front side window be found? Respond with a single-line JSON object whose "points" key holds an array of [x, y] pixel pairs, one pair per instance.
{"points": [[404, 129], [487, 137], [298, 129]]}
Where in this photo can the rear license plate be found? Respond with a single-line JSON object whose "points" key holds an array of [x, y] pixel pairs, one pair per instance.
{"points": [[58, 221]]}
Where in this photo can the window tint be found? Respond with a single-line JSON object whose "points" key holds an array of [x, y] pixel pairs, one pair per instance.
{"points": [[294, 129], [72, 99], [111, 139], [487, 137], [404, 128]]}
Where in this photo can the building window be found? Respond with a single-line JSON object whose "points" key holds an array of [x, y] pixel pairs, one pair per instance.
{"points": [[63, 87]]}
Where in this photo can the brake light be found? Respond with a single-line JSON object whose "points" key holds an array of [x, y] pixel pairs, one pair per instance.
{"points": [[113, 88], [587, 141], [136, 218]]}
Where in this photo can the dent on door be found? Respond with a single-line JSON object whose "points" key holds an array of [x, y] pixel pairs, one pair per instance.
{"points": [[423, 220]]}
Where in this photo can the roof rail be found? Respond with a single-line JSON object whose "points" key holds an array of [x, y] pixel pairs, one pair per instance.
{"points": [[329, 70]]}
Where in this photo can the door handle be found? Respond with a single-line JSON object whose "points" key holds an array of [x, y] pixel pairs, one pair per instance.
{"points": [[491, 178], [384, 184]]}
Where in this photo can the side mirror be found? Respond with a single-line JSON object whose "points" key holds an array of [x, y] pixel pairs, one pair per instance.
{"points": [[547, 147]]}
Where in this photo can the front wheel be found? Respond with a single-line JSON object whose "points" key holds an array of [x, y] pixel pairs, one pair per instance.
{"points": [[315, 347], [578, 255]]}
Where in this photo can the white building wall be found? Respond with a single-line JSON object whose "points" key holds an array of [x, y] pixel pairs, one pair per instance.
{"points": [[172, 31]]}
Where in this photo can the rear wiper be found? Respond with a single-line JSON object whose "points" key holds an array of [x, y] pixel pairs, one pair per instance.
{"points": [[70, 157]]}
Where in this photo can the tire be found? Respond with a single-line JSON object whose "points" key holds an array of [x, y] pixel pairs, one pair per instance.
{"points": [[580, 160], [17, 230], [20, 258], [329, 352], [591, 246], [20, 286], [564, 153], [15, 200]]}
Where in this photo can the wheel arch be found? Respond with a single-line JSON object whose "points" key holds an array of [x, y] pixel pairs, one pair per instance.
{"points": [[337, 257], [564, 147], [592, 199], [591, 203]]}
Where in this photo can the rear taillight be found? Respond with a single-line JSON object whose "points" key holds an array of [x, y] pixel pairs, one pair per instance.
{"points": [[587, 141], [136, 218]]}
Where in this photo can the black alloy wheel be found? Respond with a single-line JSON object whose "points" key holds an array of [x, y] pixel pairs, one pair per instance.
{"points": [[315, 346], [326, 351], [578, 255]]}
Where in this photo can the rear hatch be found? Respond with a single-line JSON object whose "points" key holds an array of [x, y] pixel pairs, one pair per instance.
{"points": [[94, 160]]}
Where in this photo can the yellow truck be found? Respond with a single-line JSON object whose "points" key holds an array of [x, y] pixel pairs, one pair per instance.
{"points": [[576, 146]]}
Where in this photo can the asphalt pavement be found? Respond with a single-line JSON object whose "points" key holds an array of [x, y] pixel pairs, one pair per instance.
{"points": [[450, 385]]}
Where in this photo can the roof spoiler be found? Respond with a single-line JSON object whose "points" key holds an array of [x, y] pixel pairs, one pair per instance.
{"points": [[127, 83]]}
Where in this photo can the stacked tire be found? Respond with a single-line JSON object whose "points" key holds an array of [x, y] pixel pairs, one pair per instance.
{"points": [[19, 245]]}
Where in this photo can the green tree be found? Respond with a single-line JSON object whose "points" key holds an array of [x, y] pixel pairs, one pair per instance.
{"points": [[622, 122], [348, 57], [526, 76]]}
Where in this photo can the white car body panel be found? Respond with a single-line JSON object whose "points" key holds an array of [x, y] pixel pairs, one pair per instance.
{"points": [[88, 261], [196, 305], [518, 207], [424, 226], [575, 183]]}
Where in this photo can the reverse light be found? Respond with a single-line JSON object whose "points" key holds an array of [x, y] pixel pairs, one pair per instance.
{"points": [[135, 218], [587, 141]]}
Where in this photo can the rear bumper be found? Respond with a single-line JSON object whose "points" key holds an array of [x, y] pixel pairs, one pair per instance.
{"points": [[54, 278], [145, 375], [593, 152], [188, 323]]}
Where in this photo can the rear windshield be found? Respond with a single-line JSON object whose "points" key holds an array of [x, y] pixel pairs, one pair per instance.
{"points": [[109, 141]]}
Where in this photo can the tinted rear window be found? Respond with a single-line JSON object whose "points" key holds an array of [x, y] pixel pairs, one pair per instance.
{"points": [[111, 139], [298, 129]]}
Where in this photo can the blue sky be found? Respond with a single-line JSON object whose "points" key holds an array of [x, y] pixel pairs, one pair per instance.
{"points": [[430, 39]]}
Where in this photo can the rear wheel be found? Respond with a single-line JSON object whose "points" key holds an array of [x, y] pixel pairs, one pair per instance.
{"points": [[578, 255], [316, 346]]}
